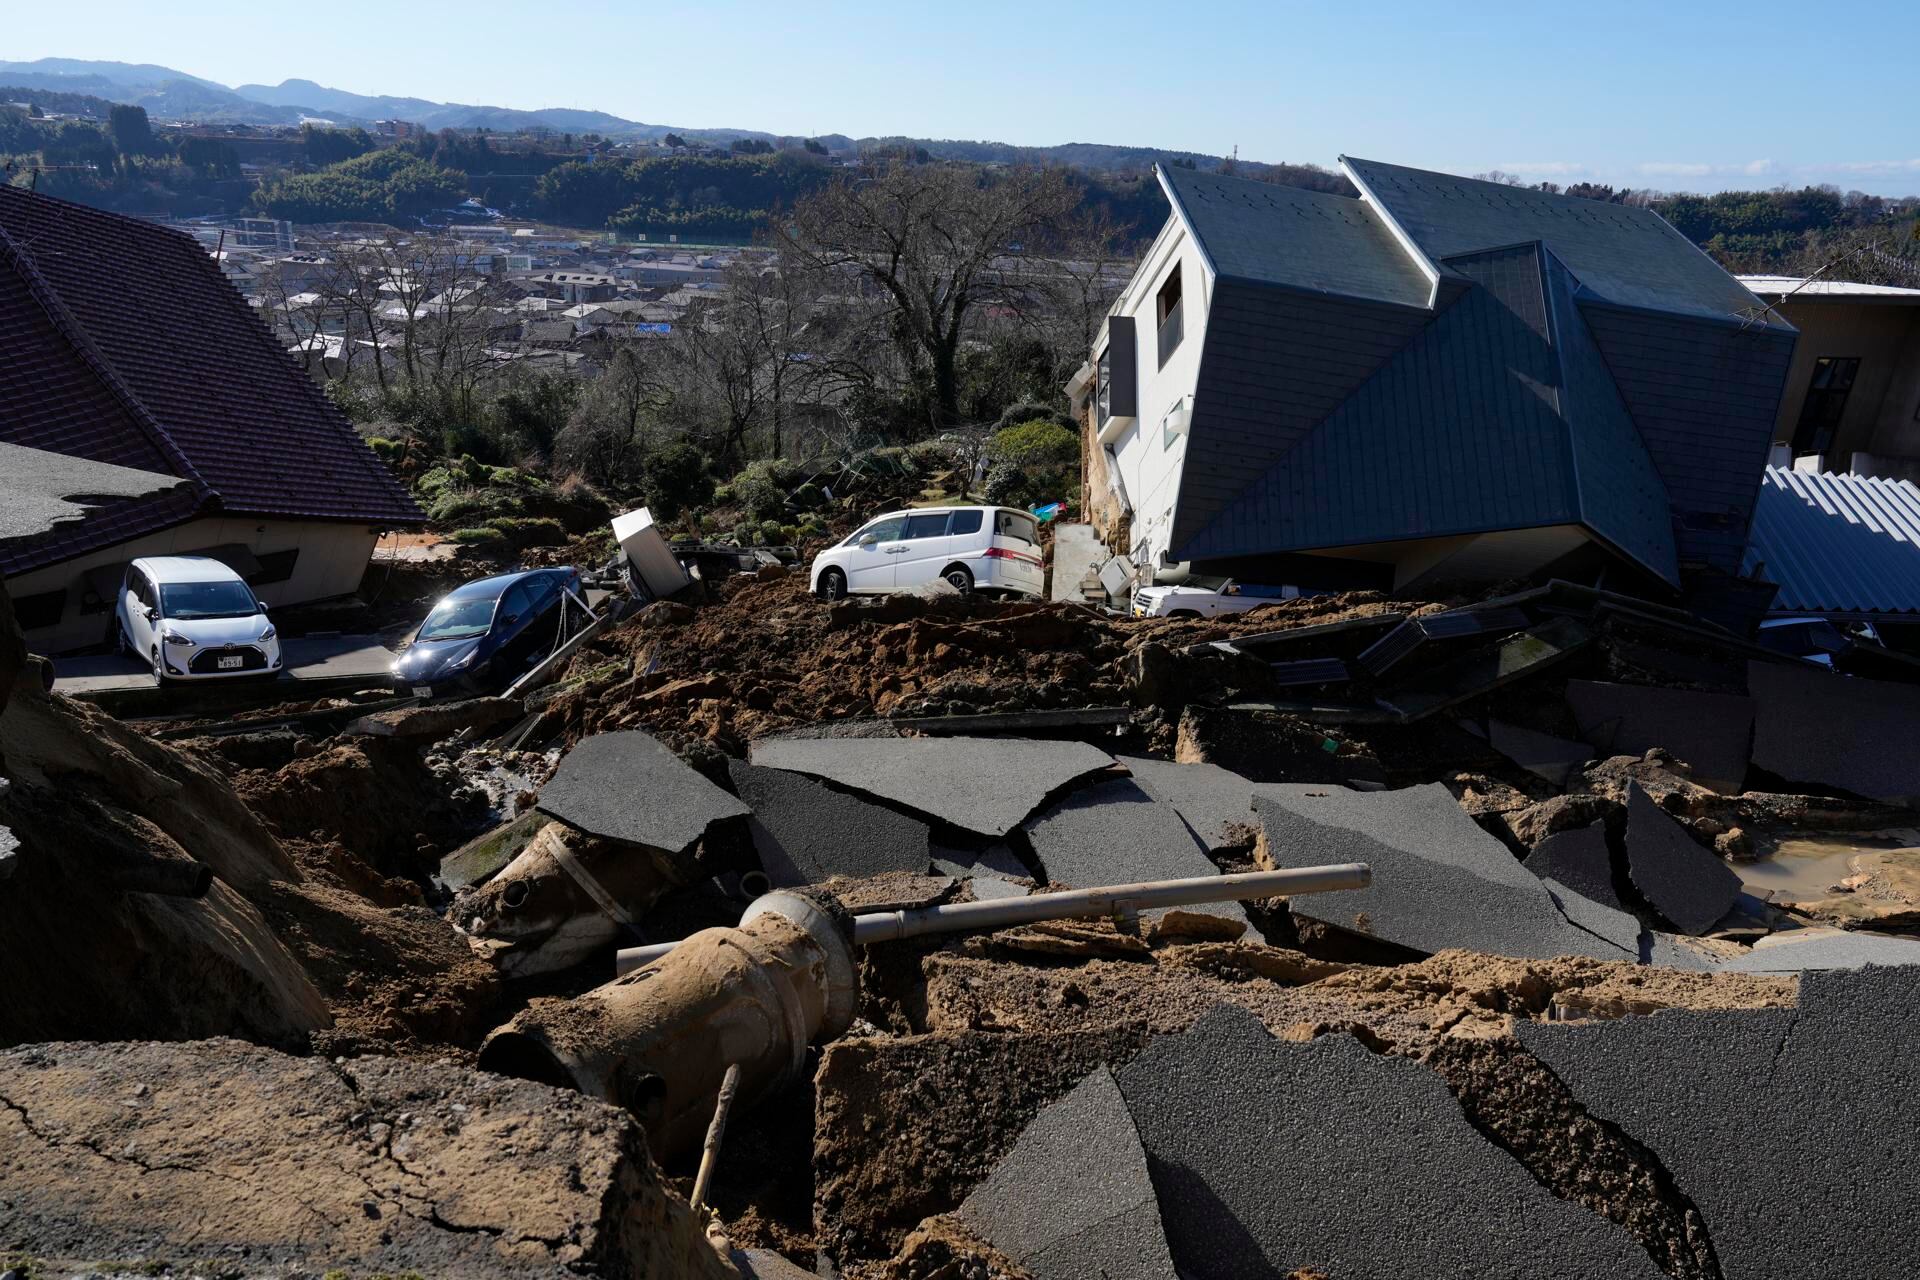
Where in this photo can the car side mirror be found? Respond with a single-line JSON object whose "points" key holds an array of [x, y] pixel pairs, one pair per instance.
{"points": [[261, 605], [869, 539], [510, 619], [153, 614]]}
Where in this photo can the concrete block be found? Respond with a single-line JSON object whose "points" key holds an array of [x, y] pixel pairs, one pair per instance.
{"points": [[983, 785], [1684, 882], [627, 786], [1272, 1157]]}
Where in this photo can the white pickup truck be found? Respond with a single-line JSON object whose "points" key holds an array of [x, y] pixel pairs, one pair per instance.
{"points": [[1205, 598]]}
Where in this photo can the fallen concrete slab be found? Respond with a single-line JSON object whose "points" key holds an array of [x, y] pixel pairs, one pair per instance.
{"points": [[1856, 735], [1799, 950], [983, 785], [1831, 1085], [627, 786], [481, 858], [805, 832], [1685, 883], [1115, 833], [1074, 1197], [1436, 883], [1579, 859], [1712, 732], [434, 720], [1541, 754], [134, 1155], [1273, 1158], [1216, 803]]}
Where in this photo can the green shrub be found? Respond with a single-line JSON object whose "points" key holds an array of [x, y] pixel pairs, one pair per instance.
{"points": [[929, 456], [530, 531], [808, 496], [449, 507], [1006, 484], [789, 535], [762, 490], [1036, 445], [483, 537], [434, 480], [709, 523], [386, 450], [746, 533], [771, 532], [676, 481], [723, 495], [514, 478]]}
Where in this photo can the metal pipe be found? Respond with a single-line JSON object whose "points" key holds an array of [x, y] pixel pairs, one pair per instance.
{"points": [[885, 926]]}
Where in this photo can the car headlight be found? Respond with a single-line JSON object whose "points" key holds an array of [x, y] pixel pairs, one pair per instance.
{"points": [[174, 637], [268, 633], [460, 664]]}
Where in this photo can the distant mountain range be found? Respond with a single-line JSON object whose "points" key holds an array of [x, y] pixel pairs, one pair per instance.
{"points": [[168, 94]]}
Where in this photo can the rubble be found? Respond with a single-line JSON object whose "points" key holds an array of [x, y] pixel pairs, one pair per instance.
{"points": [[626, 786], [223, 1156], [1712, 732], [801, 829], [1578, 858], [1682, 881], [985, 786], [1848, 733], [1837, 1077]]}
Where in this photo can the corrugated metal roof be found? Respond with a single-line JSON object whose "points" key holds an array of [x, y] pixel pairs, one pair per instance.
{"points": [[1804, 289], [1837, 543]]}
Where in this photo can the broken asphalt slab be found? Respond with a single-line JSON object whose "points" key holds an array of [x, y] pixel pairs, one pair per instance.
{"points": [[627, 786], [1684, 882], [1541, 754], [1115, 833], [1439, 881], [1856, 735], [1271, 1157], [1074, 1197], [1793, 1131], [805, 832], [1579, 859], [149, 1152], [1712, 732], [1609, 924], [1216, 803], [983, 785], [1799, 950]]}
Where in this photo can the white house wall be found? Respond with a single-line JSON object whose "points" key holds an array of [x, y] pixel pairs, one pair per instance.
{"points": [[333, 557], [1149, 466]]}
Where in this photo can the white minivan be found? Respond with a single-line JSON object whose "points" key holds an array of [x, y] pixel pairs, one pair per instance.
{"points": [[194, 618], [974, 548]]}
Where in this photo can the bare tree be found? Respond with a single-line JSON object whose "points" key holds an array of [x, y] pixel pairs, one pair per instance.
{"points": [[937, 241]]}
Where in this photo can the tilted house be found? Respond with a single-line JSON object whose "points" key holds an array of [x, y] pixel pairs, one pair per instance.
{"points": [[121, 342], [1444, 378]]}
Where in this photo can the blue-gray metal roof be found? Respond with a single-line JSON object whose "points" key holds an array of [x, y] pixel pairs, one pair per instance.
{"points": [[1290, 236], [1629, 256], [1838, 544]]}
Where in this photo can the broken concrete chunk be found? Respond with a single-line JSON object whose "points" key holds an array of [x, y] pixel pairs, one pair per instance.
{"points": [[627, 786], [1832, 1193], [1541, 754], [221, 1149], [1712, 732], [805, 832], [1799, 950], [1837, 731], [1604, 922], [1074, 1198], [1273, 1157], [482, 857], [1216, 803], [1432, 888], [983, 785], [434, 720], [1682, 881], [1115, 833], [1579, 859]]}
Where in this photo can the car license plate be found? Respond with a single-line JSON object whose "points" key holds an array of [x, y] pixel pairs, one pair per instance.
{"points": [[230, 664], [422, 691]]}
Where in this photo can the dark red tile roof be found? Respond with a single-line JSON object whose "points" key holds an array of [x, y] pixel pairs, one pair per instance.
{"points": [[121, 341]]}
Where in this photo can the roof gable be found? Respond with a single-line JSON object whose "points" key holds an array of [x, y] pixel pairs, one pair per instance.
{"points": [[1627, 255], [1299, 239], [161, 330]]}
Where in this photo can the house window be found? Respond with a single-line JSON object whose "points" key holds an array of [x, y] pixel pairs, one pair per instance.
{"points": [[42, 609], [1103, 388], [275, 566], [1167, 315], [1826, 403]]}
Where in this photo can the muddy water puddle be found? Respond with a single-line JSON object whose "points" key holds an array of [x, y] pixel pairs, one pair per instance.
{"points": [[1803, 867]]}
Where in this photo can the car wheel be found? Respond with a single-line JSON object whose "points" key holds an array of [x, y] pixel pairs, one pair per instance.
{"points": [[960, 578], [159, 670], [833, 585]]}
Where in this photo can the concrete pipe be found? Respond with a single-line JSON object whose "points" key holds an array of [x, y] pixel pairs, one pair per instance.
{"points": [[658, 1041]]}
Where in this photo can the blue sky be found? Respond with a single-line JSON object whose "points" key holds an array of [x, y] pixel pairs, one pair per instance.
{"points": [[1679, 95]]}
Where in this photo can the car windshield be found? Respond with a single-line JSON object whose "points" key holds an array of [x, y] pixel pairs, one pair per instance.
{"points": [[458, 619], [186, 601]]}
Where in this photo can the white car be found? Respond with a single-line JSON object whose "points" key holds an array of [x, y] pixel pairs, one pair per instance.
{"points": [[974, 548], [1205, 598], [194, 618]]}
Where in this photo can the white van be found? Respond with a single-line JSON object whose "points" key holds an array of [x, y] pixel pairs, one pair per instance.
{"points": [[194, 618], [974, 548]]}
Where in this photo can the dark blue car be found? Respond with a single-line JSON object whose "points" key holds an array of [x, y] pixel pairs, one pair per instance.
{"points": [[484, 635]]}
